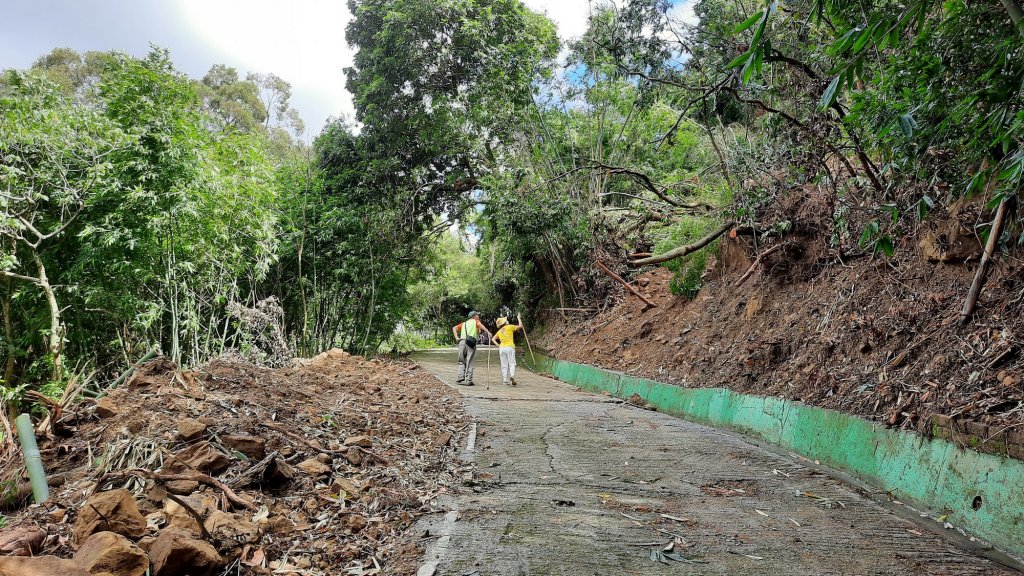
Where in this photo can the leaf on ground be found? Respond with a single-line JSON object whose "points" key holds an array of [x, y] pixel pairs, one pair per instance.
{"points": [[664, 557]]}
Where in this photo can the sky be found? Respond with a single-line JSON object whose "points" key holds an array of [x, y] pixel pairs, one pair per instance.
{"points": [[302, 41]]}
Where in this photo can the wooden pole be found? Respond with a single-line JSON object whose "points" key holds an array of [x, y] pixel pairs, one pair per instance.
{"points": [[990, 247], [619, 279], [530, 348]]}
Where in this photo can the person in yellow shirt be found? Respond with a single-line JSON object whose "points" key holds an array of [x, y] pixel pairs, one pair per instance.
{"points": [[507, 348]]}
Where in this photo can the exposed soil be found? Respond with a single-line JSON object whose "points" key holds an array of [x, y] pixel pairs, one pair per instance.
{"points": [[330, 460], [875, 337]]}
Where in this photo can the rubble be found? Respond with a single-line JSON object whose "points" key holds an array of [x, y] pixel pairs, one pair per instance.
{"points": [[113, 553], [232, 468], [113, 511], [41, 566]]}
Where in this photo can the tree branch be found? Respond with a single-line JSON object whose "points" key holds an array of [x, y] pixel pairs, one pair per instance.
{"points": [[647, 183], [619, 279], [19, 277], [684, 250]]}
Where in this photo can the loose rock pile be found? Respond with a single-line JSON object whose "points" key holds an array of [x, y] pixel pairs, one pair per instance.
{"points": [[317, 468]]}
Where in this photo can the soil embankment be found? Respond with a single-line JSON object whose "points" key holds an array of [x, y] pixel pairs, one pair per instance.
{"points": [[317, 468], [872, 337]]}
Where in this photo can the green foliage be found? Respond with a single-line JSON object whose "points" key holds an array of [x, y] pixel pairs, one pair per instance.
{"points": [[688, 271]]}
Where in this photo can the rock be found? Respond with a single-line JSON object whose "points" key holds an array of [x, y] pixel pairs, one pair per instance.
{"points": [[344, 485], [355, 456], [324, 459], [190, 430], [23, 539], [355, 522], [231, 528], [105, 407], [177, 553], [113, 511], [146, 543], [443, 439], [180, 518], [313, 467], [278, 473], [182, 487], [643, 281], [113, 553], [40, 566], [361, 441], [204, 457], [252, 446]]}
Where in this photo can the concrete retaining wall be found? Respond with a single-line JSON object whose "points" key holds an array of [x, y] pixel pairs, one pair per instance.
{"points": [[983, 493]]}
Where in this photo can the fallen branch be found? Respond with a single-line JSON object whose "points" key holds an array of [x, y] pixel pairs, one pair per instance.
{"points": [[990, 247], [684, 250], [757, 261], [619, 279], [294, 436], [229, 494]]}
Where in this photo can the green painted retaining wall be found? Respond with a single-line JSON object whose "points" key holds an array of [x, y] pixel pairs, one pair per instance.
{"points": [[928, 473]]}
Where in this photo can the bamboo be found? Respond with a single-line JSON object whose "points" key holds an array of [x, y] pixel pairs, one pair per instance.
{"points": [[33, 461], [120, 379]]}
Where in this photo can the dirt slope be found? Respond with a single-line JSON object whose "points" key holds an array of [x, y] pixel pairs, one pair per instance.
{"points": [[872, 337], [327, 462]]}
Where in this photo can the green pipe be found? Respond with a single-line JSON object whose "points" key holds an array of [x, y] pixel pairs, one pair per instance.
{"points": [[33, 462]]}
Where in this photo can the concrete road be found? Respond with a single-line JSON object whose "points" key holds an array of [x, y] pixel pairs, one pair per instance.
{"points": [[572, 483]]}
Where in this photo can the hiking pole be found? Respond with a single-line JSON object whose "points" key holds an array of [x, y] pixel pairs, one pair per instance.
{"points": [[530, 348]]}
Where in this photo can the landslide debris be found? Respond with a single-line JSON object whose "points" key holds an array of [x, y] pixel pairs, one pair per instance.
{"points": [[876, 338], [316, 468]]}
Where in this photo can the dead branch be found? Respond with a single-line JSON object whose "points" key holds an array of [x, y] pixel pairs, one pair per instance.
{"points": [[619, 279], [990, 247], [649, 184], [294, 436], [684, 250], [229, 494], [757, 261]]}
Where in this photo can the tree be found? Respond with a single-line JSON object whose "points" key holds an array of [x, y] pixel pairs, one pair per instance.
{"points": [[438, 86], [57, 158], [235, 102]]}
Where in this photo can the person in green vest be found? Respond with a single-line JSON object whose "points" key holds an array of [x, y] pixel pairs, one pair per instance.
{"points": [[467, 334]]}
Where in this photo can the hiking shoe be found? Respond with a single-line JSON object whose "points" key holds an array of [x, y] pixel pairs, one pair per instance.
{"points": [[512, 381], [470, 383]]}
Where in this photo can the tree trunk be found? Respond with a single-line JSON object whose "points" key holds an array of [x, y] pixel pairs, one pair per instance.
{"points": [[684, 250], [5, 309], [56, 344], [1016, 14]]}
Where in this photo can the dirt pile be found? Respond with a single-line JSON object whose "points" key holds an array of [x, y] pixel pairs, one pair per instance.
{"points": [[875, 337], [316, 468]]}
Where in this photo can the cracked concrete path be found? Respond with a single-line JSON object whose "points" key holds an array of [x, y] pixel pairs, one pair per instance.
{"points": [[573, 483]]}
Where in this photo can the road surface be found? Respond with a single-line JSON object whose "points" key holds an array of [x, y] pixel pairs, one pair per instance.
{"points": [[572, 483]]}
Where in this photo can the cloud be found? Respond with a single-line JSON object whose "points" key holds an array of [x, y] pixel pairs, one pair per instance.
{"points": [[569, 15], [302, 41]]}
